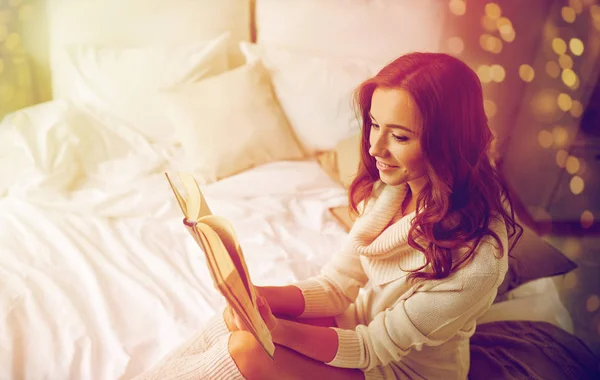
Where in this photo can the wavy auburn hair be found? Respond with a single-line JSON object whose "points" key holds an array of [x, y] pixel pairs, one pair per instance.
{"points": [[464, 190]]}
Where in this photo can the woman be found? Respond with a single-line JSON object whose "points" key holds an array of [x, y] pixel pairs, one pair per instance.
{"points": [[430, 240]]}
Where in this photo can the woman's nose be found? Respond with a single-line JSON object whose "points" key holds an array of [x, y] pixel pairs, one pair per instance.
{"points": [[377, 146]]}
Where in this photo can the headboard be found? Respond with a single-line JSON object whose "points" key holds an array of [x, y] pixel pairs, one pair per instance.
{"points": [[138, 22]]}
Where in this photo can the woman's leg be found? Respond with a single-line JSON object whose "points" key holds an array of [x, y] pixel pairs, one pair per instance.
{"points": [[213, 364], [253, 362]]}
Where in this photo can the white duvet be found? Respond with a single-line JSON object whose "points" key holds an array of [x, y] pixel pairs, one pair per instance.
{"points": [[99, 278]]}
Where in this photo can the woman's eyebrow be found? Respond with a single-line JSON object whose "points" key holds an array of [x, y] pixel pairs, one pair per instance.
{"points": [[394, 126]]}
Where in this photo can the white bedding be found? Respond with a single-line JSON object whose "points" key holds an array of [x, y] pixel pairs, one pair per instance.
{"points": [[98, 277]]}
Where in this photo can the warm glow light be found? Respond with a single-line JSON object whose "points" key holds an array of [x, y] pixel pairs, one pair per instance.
{"points": [[526, 73], [559, 46], [576, 46], [488, 24], [593, 303], [1, 65], [498, 73], [561, 158], [564, 101], [572, 165], [565, 61], [545, 139], [25, 12], [458, 7], [552, 69], [595, 12], [507, 32], [456, 45], [493, 11], [490, 108], [576, 108], [568, 14], [577, 5], [577, 185], [560, 136], [490, 43], [484, 73], [587, 219], [569, 77]]}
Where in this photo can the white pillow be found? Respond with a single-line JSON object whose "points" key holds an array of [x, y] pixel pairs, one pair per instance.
{"points": [[230, 123], [380, 30], [126, 82], [315, 92]]}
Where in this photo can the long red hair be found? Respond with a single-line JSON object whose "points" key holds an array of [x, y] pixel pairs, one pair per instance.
{"points": [[464, 189]]}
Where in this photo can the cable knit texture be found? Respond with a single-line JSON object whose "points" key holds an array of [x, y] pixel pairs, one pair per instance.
{"points": [[392, 328]]}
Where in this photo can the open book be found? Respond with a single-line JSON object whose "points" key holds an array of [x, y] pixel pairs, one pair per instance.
{"points": [[224, 257]]}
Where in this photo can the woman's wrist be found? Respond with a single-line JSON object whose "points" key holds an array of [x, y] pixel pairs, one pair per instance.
{"points": [[285, 301]]}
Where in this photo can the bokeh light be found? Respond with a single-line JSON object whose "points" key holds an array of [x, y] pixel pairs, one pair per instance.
{"points": [[569, 77], [564, 101], [576, 109], [568, 14], [565, 61], [561, 158], [587, 219], [545, 139], [526, 73], [458, 7], [456, 45], [497, 72], [593, 303], [484, 73], [572, 165], [577, 5], [576, 46], [577, 185], [552, 69], [490, 108], [559, 46], [560, 136], [493, 11]]}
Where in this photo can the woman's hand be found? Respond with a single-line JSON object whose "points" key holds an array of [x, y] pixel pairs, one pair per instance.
{"points": [[236, 323]]}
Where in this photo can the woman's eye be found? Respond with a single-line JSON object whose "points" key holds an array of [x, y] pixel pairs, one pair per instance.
{"points": [[374, 125], [400, 138]]}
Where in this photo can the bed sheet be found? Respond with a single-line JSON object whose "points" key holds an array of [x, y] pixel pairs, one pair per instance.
{"points": [[98, 277]]}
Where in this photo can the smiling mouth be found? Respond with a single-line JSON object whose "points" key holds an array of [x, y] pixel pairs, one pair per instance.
{"points": [[381, 165]]}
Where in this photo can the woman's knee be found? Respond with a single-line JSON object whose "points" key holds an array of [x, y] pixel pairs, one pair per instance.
{"points": [[249, 356]]}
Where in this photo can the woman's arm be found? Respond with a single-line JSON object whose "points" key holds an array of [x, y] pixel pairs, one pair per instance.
{"points": [[285, 301], [319, 343]]}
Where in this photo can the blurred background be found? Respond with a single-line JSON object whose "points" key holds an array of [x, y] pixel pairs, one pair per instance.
{"points": [[538, 61]]}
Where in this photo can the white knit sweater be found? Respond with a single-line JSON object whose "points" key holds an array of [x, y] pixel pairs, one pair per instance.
{"points": [[394, 329]]}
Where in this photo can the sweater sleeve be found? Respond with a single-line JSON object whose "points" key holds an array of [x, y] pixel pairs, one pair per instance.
{"points": [[332, 291], [426, 318]]}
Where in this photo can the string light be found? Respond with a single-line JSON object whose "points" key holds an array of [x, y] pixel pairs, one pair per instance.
{"points": [[456, 45], [565, 61], [576, 109], [561, 158], [493, 11], [484, 73], [593, 303], [569, 78], [564, 101], [572, 165], [560, 136], [559, 46]]}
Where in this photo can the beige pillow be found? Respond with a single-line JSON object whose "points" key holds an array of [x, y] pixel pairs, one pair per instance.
{"points": [[231, 122], [342, 163]]}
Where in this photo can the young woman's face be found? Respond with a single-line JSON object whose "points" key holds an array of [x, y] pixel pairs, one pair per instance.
{"points": [[394, 137]]}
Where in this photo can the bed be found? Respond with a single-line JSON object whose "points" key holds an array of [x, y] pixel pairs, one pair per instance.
{"points": [[98, 278]]}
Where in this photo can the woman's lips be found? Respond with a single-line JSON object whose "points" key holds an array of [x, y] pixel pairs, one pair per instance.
{"points": [[385, 167]]}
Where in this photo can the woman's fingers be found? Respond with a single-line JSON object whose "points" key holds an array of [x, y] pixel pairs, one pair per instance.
{"points": [[265, 313]]}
